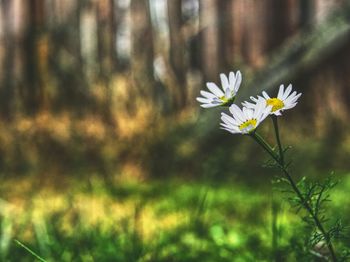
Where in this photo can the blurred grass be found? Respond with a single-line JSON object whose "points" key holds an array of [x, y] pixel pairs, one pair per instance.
{"points": [[157, 220]]}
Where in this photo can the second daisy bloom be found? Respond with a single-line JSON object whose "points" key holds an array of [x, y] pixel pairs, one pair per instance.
{"points": [[245, 120], [286, 99]]}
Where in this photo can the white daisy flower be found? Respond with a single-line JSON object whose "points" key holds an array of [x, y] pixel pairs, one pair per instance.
{"points": [[284, 100], [224, 97], [246, 120]]}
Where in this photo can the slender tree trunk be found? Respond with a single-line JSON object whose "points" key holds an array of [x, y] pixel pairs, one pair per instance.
{"points": [[142, 49], [177, 52], [226, 33], [7, 61], [114, 33], [106, 36], [238, 29], [278, 17], [209, 21], [33, 92], [306, 13], [256, 32], [106, 50]]}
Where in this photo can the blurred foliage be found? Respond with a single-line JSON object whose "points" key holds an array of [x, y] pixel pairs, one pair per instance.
{"points": [[188, 145], [168, 220]]}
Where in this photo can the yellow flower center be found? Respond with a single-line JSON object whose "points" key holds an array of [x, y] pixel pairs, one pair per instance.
{"points": [[276, 104], [224, 99], [248, 125], [227, 102]]}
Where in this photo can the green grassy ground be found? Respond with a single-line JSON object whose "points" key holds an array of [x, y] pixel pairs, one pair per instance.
{"points": [[163, 220]]}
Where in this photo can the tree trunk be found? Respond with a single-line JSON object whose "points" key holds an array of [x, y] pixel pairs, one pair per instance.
{"points": [[106, 36], [209, 20], [177, 52], [226, 33], [142, 49], [280, 25], [106, 30], [306, 13], [33, 92], [7, 60]]}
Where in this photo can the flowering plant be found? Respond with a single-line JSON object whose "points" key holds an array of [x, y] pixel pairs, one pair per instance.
{"points": [[307, 195]]}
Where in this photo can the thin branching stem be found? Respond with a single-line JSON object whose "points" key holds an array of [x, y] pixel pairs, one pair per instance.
{"points": [[312, 214], [280, 163], [275, 126]]}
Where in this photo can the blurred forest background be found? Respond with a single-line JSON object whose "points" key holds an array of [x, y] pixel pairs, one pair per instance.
{"points": [[97, 93]]}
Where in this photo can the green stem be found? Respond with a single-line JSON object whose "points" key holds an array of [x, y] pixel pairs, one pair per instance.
{"points": [[265, 146], [30, 251], [303, 201], [275, 125]]}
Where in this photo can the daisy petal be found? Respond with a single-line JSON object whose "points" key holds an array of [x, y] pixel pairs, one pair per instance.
{"points": [[232, 80], [203, 100], [291, 105], [224, 82], [237, 113], [266, 96], [208, 105], [254, 99], [287, 92], [214, 89], [248, 104], [207, 94], [227, 93], [280, 91], [238, 81]]}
